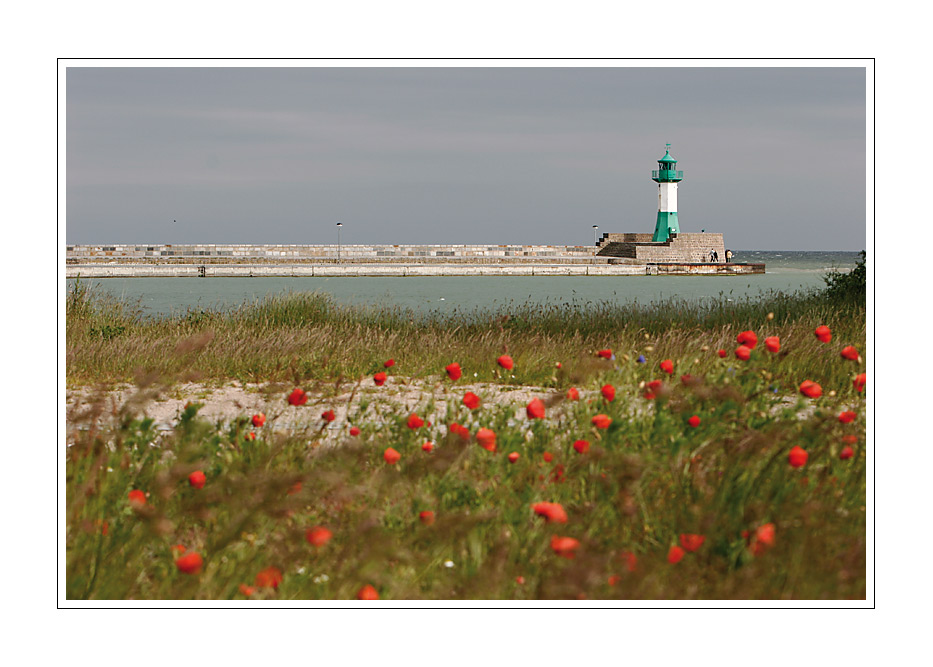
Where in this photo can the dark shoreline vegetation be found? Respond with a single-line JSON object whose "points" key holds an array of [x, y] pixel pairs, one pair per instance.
{"points": [[656, 507]]}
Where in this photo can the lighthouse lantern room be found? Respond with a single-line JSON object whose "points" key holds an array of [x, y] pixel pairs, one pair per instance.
{"points": [[667, 177]]}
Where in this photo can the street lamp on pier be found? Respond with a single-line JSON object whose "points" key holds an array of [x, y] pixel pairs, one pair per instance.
{"points": [[339, 225], [595, 241]]}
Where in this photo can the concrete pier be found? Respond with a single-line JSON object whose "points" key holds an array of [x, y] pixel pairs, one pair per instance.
{"points": [[224, 261]]}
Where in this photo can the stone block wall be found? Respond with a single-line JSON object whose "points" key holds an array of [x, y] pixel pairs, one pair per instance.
{"points": [[684, 248]]}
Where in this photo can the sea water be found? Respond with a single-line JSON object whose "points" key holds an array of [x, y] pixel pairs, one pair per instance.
{"points": [[786, 271]]}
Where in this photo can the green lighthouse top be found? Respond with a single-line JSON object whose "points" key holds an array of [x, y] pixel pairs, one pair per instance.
{"points": [[667, 156], [666, 172]]}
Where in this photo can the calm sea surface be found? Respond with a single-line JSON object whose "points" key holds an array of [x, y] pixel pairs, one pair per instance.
{"points": [[787, 271]]}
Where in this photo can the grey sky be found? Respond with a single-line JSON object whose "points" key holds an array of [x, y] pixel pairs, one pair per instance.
{"points": [[772, 157]]}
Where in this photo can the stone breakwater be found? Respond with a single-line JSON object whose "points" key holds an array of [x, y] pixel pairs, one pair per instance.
{"points": [[206, 260]]}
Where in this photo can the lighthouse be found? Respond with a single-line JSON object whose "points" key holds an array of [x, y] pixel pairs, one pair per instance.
{"points": [[667, 177]]}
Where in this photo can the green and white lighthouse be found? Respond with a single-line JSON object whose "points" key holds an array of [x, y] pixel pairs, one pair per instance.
{"points": [[667, 177]]}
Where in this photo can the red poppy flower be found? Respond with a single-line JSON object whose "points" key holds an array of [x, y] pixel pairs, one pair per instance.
{"points": [[380, 378], [630, 560], [552, 512], [391, 456], [557, 474], [773, 343], [179, 549], [271, 577], [614, 579], [459, 430], [675, 554], [389, 364], [297, 397], [190, 563], [471, 400], [295, 488], [197, 479], [722, 354], [694, 421], [747, 338], [797, 457], [847, 416], [811, 389], [506, 362], [535, 409], [251, 436], [548, 457], [318, 536], [486, 439], [667, 366], [573, 394], [581, 446], [426, 517], [247, 590], [367, 592], [765, 534], [520, 580], [850, 353], [259, 420], [428, 447], [354, 431], [453, 371], [691, 542], [513, 457], [859, 382], [686, 379], [328, 416], [823, 334], [137, 497], [605, 354], [743, 352], [652, 389], [846, 453], [564, 546], [850, 439], [414, 421], [601, 421], [609, 392]]}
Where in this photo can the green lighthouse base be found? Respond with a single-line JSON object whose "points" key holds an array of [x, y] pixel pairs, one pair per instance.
{"points": [[667, 225]]}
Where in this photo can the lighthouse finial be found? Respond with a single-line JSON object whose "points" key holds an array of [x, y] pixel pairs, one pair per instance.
{"points": [[668, 147]]}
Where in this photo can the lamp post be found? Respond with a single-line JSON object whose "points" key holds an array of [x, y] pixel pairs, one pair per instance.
{"points": [[339, 225], [595, 241]]}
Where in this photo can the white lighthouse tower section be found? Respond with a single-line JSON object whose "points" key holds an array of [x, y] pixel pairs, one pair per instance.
{"points": [[667, 197]]}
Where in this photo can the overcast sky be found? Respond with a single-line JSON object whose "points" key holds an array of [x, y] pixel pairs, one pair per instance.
{"points": [[774, 158]]}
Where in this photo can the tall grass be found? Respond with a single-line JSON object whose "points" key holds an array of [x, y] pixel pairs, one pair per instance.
{"points": [[301, 337]]}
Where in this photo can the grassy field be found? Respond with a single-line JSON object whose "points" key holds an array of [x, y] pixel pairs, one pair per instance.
{"points": [[712, 478]]}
